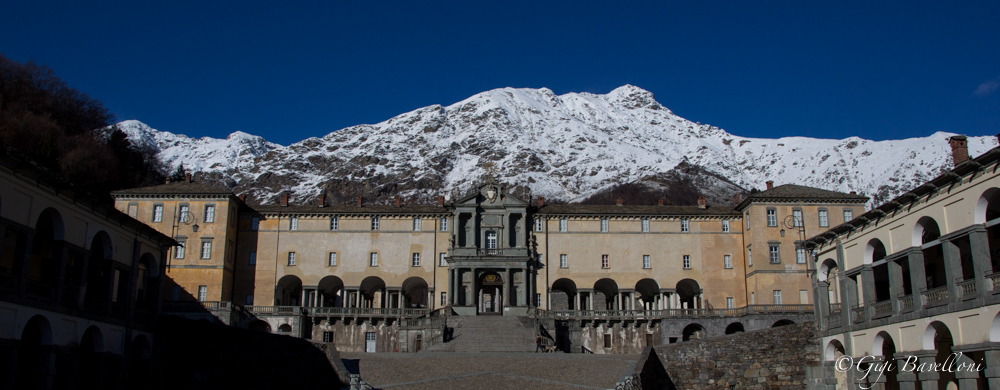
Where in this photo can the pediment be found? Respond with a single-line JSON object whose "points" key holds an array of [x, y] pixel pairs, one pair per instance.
{"points": [[491, 194]]}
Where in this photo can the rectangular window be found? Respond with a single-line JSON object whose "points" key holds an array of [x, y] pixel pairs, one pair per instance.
{"points": [[250, 299], [727, 261], [848, 215], [645, 262], [416, 260], [373, 259], [327, 337], [444, 299], [209, 213], [645, 225], [444, 224], [750, 257], [491, 240], [772, 252], [202, 293], [184, 214], [179, 250], [729, 302], [777, 297], [772, 217], [725, 225], [797, 218], [824, 219], [607, 340], [538, 224], [253, 258], [685, 225], [293, 224], [538, 299], [747, 219], [604, 225], [158, 213], [133, 210], [605, 262], [254, 223], [334, 223], [753, 300], [442, 262], [563, 261], [331, 260], [291, 258], [374, 223], [800, 256], [563, 225], [687, 261], [803, 297], [417, 224], [206, 249]]}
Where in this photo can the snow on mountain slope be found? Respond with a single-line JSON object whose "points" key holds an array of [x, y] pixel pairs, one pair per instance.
{"points": [[561, 146]]}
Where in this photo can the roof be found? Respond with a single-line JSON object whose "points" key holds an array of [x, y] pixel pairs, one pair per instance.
{"points": [[800, 193], [178, 187], [577, 209], [343, 209]]}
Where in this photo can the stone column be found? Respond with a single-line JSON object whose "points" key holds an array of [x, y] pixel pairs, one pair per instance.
{"points": [[981, 262], [474, 294], [849, 296], [895, 285], [907, 378], [868, 281], [992, 368], [823, 304], [24, 258], [952, 269], [576, 300], [966, 379], [590, 300], [928, 379], [525, 287], [452, 289], [918, 279]]}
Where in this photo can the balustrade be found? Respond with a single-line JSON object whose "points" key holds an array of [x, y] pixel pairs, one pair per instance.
{"points": [[836, 321], [936, 296], [641, 314], [906, 302], [8, 281], [858, 314], [40, 290], [835, 308], [881, 309], [968, 289], [994, 280]]}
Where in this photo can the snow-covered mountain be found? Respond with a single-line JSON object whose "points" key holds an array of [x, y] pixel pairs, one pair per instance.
{"points": [[560, 146]]}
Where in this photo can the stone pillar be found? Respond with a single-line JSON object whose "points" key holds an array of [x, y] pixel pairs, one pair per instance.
{"points": [[992, 368], [966, 379], [590, 300], [981, 262], [952, 269], [907, 378], [895, 284], [849, 294], [470, 238], [525, 289], [24, 258], [918, 279], [576, 300], [868, 281], [474, 293], [928, 379], [823, 304], [452, 286]]}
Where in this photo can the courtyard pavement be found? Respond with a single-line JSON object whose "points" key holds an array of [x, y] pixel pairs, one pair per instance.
{"points": [[488, 371]]}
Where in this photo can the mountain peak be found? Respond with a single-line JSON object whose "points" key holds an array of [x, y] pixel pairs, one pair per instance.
{"points": [[633, 97]]}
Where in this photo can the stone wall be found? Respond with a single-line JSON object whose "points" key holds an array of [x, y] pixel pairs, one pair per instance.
{"points": [[349, 334], [776, 358], [628, 337]]}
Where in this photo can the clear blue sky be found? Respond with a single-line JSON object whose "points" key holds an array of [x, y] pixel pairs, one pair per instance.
{"points": [[288, 72]]}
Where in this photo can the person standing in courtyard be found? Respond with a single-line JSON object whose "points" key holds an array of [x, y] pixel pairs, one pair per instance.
{"points": [[538, 343]]}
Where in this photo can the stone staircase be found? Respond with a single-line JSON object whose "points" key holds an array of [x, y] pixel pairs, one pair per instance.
{"points": [[489, 334]]}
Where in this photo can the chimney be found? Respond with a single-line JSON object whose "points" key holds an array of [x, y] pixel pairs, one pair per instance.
{"points": [[359, 201], [619, 201], [322, 200], [737, 199], [243, 197], [702, 203], [770, 184], [440, 201], [854, 192], [399, 201], [659, 202], [284, 199], [959, 149], [187, 177], [168, 180], [541, 201]]}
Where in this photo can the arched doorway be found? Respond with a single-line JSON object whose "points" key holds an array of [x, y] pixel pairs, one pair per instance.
{"points": [[34, 355], [414, 293], [563, 295], [937, 337], [829, 272], [689, 294], [91, 366], [925, 235], [608, 297], [373, 293], [43, 261], [884, 347], [782, 323], [735, 327], [490, 295], [259, 326], [139, 359], [96, 295], [331, 290], [693, 332], [288, 291], [987, 210], [649, 293]]}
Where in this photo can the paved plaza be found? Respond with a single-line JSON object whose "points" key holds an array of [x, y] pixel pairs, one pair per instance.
{"points": [[487, 371]]}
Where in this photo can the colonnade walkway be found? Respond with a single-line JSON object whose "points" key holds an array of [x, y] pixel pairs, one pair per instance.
{"points": [[489, 370]]}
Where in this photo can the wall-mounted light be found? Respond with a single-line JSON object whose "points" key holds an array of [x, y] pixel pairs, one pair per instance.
{"points": [[782, 230], [195, 229]]}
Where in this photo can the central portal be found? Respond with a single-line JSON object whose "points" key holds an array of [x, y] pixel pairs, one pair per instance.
{"points": [[490, 294]]}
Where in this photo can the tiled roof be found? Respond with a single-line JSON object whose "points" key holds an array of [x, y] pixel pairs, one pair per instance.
{"points": [[180, 187], [341, 209], [576, 209], [803, 192]]}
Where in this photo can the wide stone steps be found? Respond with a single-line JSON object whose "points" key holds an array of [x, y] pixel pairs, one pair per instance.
{"points": [[489, 334]]}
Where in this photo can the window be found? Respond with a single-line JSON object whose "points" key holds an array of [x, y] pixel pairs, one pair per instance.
{"points": [[538, 224], [687, 261], [645, 262], [373, 259], [293, 224], [327, 337], [250, 299], [331, 260], [797, 218], [416, 260], [206, 249], [202, 293], [645, 225], [184, 214], [803, 297], [725, 225], [727, 261], [291, 258], [444, 299], [491, 240], [848, 215], [685, 225], [747, 219], [777, 297], [209, 213], [253, 258], [179, 250], [254, 223], [563, 225], [749, 256], [158, 213], [605, 262], [374, 223], [538, 299], [133, 210], [444, 224], [334, 223], [604, 225], [442, 262], [824, 220], [607, 340], [800, 256], [773, 254], [729, 302], [753, 300], [417, 224], [772, 217], [563, 261]]}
